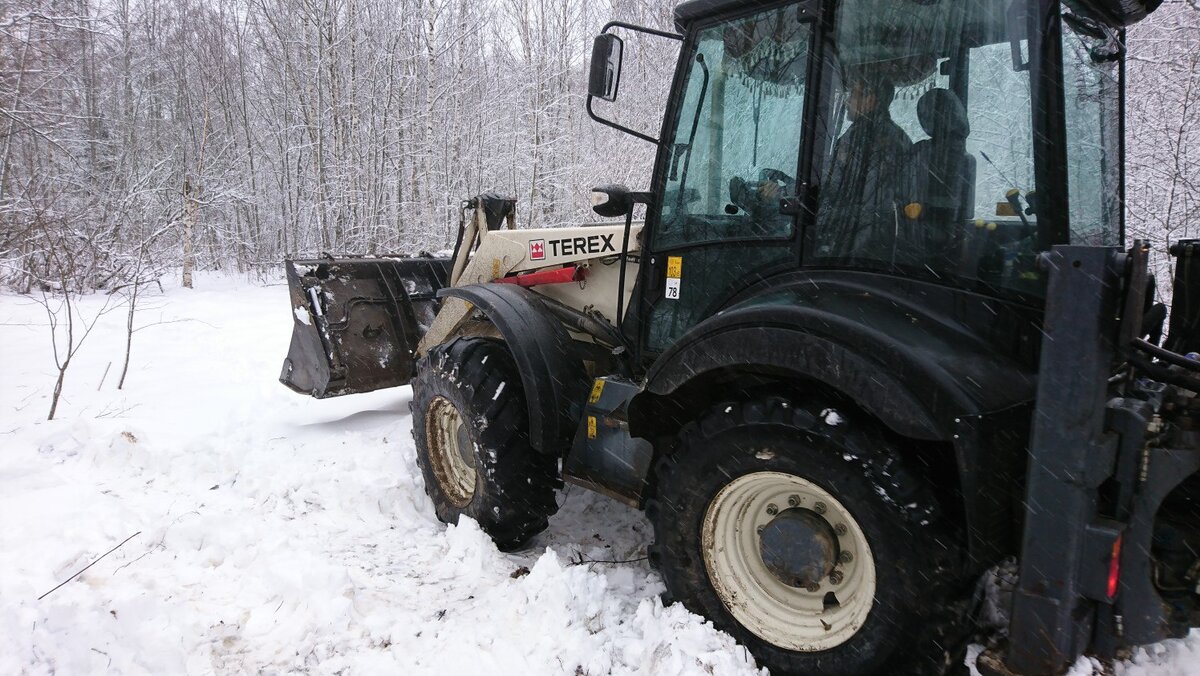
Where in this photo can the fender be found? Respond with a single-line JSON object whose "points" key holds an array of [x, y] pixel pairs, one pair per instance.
{"points": [[792, 350], [917, 356], [552, 375]]}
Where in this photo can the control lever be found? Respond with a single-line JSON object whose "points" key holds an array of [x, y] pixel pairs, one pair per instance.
{"points": [[1014, 198]]}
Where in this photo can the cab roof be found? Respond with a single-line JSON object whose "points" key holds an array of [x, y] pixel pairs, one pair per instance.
{"points": [[1114, 13], [690, 11]]}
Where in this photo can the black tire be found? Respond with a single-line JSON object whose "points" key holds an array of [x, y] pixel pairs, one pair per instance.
{"points": [[913, 555], [513, 490]]}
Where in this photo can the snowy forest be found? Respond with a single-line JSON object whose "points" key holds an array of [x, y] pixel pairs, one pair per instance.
{"points": [[229, 133], [139, 136]]}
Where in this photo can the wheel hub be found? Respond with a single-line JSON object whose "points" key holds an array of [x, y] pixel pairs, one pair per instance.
{"points": [[801, 577], [466, 449], [799, 547], [451, 451]]}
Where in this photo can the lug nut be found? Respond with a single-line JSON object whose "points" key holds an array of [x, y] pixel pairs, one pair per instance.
{"points": [[845, 557], [840, 529], [819, 508], [760, 529], [835, 577], [794, 501], [813, 587], [772, 509]]}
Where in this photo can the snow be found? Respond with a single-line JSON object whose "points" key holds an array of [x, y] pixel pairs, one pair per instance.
{"points": [[274, 532], [832, 417], [277, 532]]}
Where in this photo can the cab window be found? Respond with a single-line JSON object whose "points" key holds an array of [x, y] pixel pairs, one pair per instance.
{"points": [[737, 138], [930, 172]]}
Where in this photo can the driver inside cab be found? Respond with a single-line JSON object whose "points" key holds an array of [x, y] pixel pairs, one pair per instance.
{"points": [[864, 176]]}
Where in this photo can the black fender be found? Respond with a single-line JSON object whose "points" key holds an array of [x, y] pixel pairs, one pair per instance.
{"points": [[912, 357], [930, 363], [552, 373], [794, 351]]}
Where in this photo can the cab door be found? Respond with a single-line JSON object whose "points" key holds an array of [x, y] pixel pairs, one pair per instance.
{"points": [[730, 163]]}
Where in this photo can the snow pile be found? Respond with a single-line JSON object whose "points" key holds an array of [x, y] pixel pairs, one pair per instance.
{"points": [[273, 532], [280, 533]]}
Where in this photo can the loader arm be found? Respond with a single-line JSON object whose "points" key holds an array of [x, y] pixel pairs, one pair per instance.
{"points": [[360, 324]]}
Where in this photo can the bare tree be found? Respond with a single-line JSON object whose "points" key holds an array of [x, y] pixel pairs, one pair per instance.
{"points": [[275, 127], [69, 328]]}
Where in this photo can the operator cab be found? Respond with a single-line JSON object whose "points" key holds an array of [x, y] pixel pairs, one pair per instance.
{"points": [[919, 139]]}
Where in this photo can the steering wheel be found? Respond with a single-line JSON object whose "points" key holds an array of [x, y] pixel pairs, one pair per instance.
{"points": [[759, 198]]}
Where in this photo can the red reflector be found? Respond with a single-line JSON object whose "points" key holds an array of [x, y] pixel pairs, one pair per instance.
{"points": [[1114, 567], [556, 276]]}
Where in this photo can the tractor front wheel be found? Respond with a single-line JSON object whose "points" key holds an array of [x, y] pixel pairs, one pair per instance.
{"points": [[471, 429]]}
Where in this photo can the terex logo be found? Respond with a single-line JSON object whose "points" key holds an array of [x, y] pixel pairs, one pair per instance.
{"points": [[537, 249], [574, 246]]}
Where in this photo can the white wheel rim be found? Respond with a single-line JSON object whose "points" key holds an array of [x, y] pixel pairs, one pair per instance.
{"points": [[785, 616], [453, 464]]}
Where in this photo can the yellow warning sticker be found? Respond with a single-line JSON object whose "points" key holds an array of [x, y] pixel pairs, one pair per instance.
{"points": [[597, 390], [591, 427], [674, 267], [674, 274]]}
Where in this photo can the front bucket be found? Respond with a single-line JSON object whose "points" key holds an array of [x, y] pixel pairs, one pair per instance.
{"points": [[357, 321]]}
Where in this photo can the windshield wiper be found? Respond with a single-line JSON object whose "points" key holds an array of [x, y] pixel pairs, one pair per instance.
{"points": [[692, 136]]}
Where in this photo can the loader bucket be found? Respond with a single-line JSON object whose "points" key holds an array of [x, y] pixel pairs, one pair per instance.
{"points": [[357, 321]]}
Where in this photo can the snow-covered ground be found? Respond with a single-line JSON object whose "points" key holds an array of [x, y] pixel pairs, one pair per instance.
{"points": [[271, 532]]}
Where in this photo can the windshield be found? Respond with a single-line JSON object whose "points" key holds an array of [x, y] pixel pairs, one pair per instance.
{"points": [[732, 156], [736, 144]]}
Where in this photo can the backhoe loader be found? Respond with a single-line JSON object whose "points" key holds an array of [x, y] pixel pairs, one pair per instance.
{"points": [[875, 329]]}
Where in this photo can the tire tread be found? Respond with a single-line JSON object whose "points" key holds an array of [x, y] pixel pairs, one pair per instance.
{"points": [[515, 494]]}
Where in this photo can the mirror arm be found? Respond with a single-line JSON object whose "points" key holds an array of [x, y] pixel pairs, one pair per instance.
{"points": [[641, 29], [619, 127], [609, 123]]}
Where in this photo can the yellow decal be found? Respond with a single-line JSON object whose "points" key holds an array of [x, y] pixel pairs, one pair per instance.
{"points": [[495, 268], [591, 427], [597, 390], [674, 267]]}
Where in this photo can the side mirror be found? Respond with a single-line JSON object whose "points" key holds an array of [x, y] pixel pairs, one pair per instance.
{"points": [[611, 201], [605, 73]]}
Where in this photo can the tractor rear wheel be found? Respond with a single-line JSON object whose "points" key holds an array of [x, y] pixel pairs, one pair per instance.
{"points": [[807, 540], [471, 429]]}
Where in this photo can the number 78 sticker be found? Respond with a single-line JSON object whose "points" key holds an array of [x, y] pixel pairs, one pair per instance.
{"points": [[674, 276]]}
